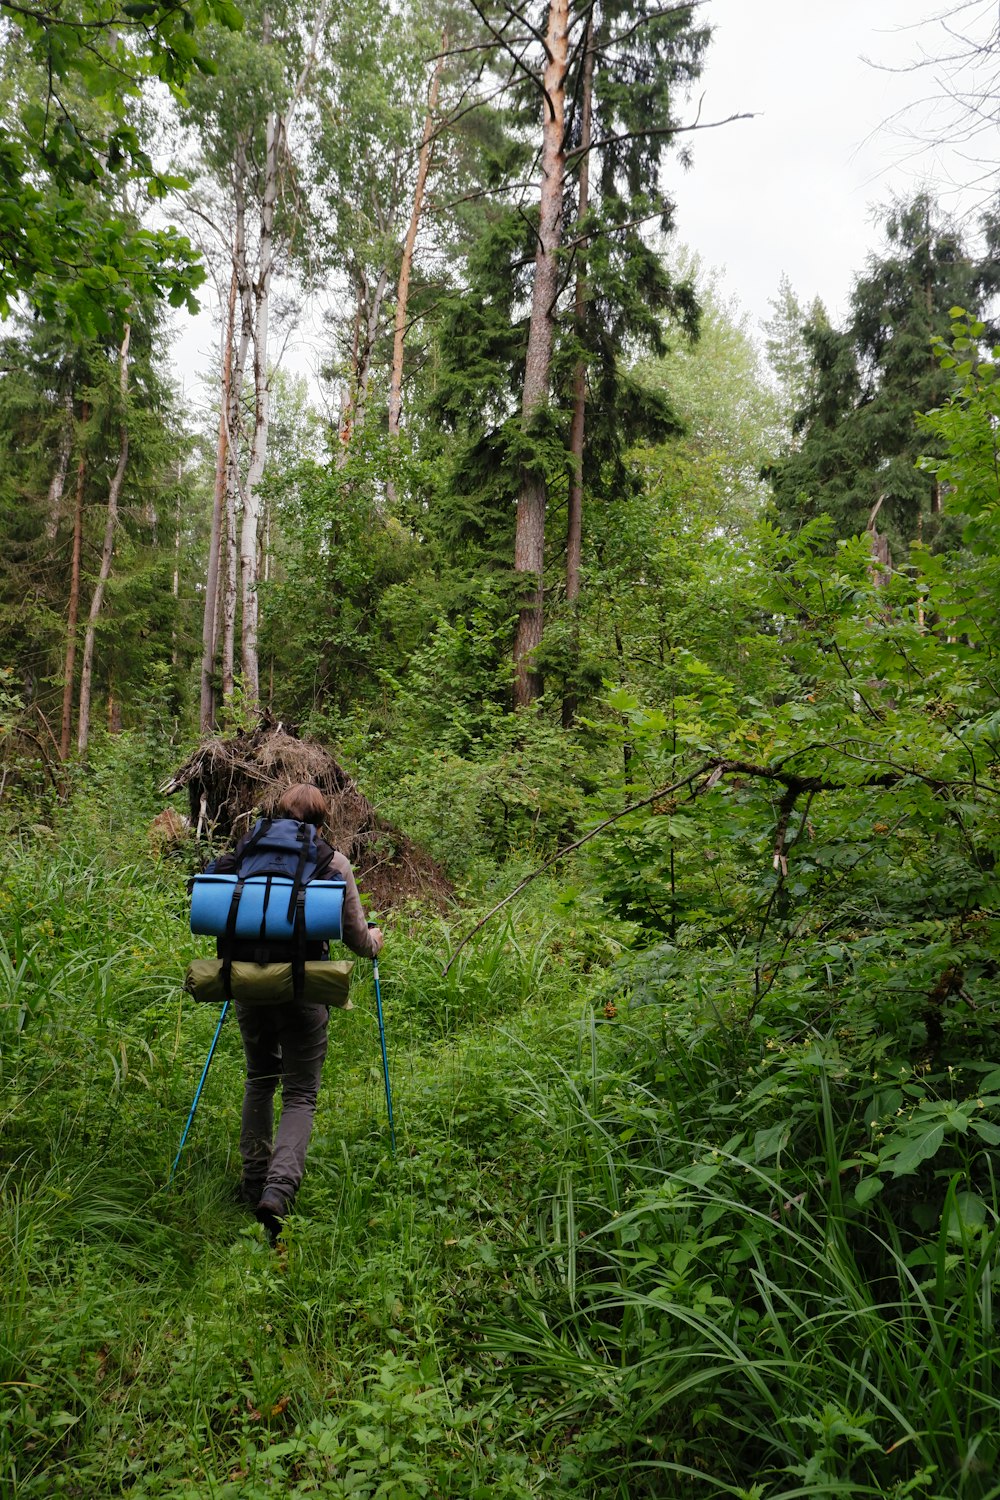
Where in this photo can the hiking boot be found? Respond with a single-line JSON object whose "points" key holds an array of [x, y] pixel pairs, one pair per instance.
{"points": [[271, 1211], [249, 1192]]}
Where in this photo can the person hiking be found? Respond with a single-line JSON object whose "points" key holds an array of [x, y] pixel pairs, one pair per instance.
{"points": [[286, 1042]]}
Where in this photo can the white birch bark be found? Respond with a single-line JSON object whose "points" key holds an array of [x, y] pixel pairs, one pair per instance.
{"points": [[210, 617], [529, 531], [255, 298], [250, 530], [107, 552], [57, 484], [406, 262]]}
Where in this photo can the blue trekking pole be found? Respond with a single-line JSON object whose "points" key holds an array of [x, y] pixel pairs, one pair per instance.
{"points": [[385, 1060], [201, 1085]]}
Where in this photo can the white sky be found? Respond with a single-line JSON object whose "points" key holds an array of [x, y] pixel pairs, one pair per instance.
{"points": [[795, 188]]}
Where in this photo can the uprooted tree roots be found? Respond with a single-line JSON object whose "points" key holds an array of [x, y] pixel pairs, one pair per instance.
{"points": [[230, 781]]}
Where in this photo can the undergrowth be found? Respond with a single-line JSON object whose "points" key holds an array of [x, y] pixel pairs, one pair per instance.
{"points": [[638, 1238]]}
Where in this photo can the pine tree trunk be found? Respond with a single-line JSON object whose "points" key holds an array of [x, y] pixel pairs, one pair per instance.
{"points": [[107, 552], [210, 618], [529, 534], [574, 509], [73, 612], [406, 263]]}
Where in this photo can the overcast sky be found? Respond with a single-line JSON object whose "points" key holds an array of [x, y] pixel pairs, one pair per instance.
{"points": [[795, 188]]}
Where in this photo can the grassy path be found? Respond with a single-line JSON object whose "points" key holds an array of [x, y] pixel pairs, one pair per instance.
{"points": [[154, 1344]]}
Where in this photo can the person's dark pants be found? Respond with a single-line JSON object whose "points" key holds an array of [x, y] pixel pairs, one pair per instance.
{"points": [[283, 1044]]}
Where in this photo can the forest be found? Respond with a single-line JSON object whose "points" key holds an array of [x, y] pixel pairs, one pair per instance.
{"points": [[656, 657]]}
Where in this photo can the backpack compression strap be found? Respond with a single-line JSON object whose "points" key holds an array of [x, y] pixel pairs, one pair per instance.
{"points": [[304, 846], [227, 942]]}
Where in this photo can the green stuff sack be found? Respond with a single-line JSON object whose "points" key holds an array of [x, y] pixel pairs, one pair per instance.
{"points": [[270, 984]]}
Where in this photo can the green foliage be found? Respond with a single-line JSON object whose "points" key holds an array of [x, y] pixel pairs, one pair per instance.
{"points": [[860, 443], [62, 418], [329, 621], [67, 249]]}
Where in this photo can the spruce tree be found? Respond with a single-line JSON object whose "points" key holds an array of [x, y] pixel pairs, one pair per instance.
{"points": [[860, 444]]}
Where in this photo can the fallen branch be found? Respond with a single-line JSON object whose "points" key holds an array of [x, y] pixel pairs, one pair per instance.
{"points": [[662, 791], [713, 771]]}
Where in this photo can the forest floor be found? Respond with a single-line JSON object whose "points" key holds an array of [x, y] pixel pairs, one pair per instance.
{"points": [[152, 1343], [624, 1249]]}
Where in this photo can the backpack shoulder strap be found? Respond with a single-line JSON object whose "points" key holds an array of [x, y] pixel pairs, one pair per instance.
{"points": [[261, 831], [307, 845]]}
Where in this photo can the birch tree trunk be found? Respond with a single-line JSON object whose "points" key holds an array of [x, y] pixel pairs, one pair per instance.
{"points": [[250, 531], [577, 431], [230, 588], [57, 484], [529, 533], [210, 619], [175, 582], [368, 345], [107, 551], [73, 611], [255, 296], [233, 415], [406, 263]]}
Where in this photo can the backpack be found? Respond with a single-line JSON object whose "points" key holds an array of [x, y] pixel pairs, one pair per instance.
{"points": [[279, 858], [280, 846]]}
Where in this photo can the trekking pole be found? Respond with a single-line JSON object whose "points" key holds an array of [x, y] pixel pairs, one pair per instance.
{"points": [[201, 1085], [385, 1059]]}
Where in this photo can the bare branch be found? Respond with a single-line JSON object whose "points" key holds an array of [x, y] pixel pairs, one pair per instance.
{"points": [[710, 773], [654, 130]]}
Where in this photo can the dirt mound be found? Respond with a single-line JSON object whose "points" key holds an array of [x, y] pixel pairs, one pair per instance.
{"points": [[229, 781]]}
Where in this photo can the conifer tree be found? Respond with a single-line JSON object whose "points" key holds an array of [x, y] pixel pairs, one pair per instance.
{"points": [[512, 346], [62, 422], [857, 460]]}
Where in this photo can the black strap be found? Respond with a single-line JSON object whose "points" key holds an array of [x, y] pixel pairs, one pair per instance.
{"points": [[227, 942], [262, 829], [268, 881], [299, 944], [303, 836]]}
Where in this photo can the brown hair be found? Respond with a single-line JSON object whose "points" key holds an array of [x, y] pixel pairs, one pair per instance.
{"points": [[303, 802]]}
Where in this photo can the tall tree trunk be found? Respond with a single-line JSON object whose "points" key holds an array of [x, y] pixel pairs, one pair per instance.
{"points": [[107, 551], [210, 618], [230, 590], [366, 324], [406, 263], [175, 582], [368, 346], [574, 508], [234, 426], [250, 532], [529, 533], [57, 484], [253, 289], [73, 612]]}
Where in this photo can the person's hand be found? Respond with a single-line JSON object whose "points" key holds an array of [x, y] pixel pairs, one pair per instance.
{"points": [[378, 938]]}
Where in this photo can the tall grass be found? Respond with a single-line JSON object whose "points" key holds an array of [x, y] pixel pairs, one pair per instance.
{"points": [[727, 1327], [616, 1254], [150, 1341]]}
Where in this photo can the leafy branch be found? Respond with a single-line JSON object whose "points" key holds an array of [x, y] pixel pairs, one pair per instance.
{"points": [[704, 778]]}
